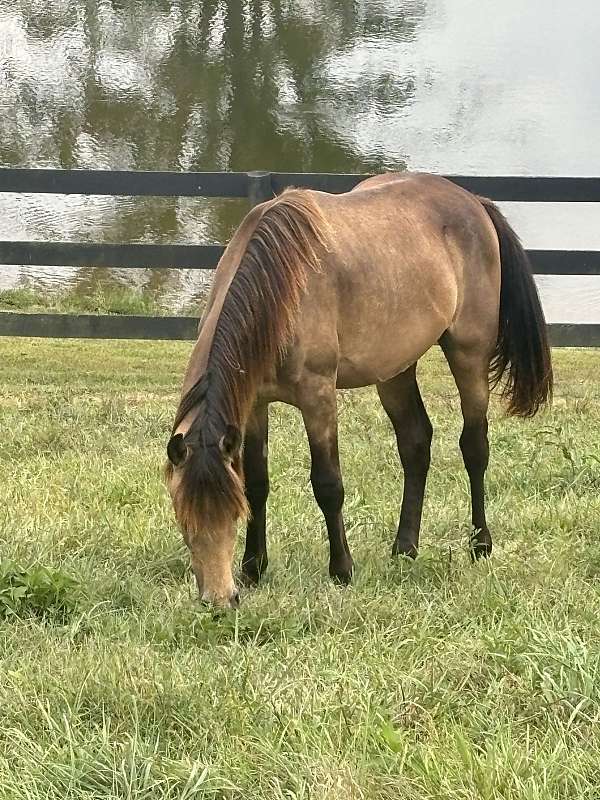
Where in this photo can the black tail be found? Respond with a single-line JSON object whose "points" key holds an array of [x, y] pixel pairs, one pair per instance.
{"points": [[522, 350]]}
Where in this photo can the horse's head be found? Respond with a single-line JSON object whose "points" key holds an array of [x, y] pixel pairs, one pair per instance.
{"points": [[204, 478]]}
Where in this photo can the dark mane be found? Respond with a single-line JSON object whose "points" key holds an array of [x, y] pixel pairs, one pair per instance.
{"points": [[255, 325]]}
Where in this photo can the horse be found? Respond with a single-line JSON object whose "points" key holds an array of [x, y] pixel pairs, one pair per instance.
{"points": [[317, 292]]}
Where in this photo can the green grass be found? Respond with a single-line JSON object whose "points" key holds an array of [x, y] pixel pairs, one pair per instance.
{"points": [[101, 300], [436, 679]]}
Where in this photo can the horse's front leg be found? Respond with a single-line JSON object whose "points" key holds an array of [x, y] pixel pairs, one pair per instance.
{"points": [[319, 411], [256, 474]]}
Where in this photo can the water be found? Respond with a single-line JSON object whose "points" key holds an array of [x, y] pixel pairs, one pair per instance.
{"points": [[458, 86]]}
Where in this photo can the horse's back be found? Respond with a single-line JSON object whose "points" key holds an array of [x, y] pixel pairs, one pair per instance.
{"points": [[404, 251]]}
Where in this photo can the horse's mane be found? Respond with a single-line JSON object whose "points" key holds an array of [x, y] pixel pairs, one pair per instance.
{"points": [[254, 327]]}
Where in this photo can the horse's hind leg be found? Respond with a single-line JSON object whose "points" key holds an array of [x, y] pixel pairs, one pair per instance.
{"points": [[319, 411], [470, 368], [402, 402], [256, 474]]}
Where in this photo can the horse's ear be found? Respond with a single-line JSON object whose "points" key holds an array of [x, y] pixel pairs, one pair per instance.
{"points": [[230, 443], [177, 450]]}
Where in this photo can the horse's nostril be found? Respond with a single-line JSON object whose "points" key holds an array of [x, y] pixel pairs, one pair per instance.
{"points": [[222, 601]]}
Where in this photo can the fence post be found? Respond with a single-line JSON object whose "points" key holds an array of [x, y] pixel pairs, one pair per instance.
{"points": [[259, 187]]}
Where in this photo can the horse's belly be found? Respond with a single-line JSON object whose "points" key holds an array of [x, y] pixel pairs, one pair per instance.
{"points": [[353, 376], [368, 368], [377, 353]]}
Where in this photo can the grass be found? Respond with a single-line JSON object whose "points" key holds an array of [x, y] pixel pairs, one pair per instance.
{"points": [[101, 300], [428, 680]]}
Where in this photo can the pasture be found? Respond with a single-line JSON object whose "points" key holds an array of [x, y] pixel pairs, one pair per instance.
{"points": [[433, 679]]}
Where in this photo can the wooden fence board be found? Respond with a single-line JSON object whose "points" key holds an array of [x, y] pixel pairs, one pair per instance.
{"points": [[117, 326], [186, 256]]}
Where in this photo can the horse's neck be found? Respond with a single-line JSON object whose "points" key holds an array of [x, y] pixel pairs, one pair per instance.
{"points": [[224, 274]]}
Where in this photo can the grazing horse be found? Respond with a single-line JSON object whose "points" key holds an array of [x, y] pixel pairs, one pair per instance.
{"points": [[318, 291]]}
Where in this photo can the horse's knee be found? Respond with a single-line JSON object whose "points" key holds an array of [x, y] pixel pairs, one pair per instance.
{"points": [[328, 492], [257, 492], [415, 451], [474, 445]]}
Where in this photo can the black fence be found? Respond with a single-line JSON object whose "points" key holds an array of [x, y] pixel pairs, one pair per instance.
{"points": [[256, 187]]}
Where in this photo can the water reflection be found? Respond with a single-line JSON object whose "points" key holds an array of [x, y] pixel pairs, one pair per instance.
{"points": [[328, 86]]}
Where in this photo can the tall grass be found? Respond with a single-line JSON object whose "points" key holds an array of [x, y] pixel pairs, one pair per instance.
{"points": [[436, 679], [101, 300]]}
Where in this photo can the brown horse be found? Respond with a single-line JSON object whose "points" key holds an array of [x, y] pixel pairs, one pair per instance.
{"points": [[317, 292]]}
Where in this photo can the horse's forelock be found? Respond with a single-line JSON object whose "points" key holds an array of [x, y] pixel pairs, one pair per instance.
{"points": [[210, 492]]}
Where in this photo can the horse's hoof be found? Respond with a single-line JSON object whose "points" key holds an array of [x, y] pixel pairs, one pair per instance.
{"points": [[404, 549], [342, 574], [481, 545], [252, 570]]}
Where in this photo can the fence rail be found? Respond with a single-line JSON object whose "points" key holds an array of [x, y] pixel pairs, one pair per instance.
{"points": [[126, 326], [124, 256], [206, 256], [518, 188], [255, 187]]}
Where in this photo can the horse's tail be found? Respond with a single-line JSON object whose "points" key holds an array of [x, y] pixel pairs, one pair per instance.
{"points": [[522, 350]]}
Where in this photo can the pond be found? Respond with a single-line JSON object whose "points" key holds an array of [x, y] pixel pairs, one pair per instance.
{"points": [[452, 86]]}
